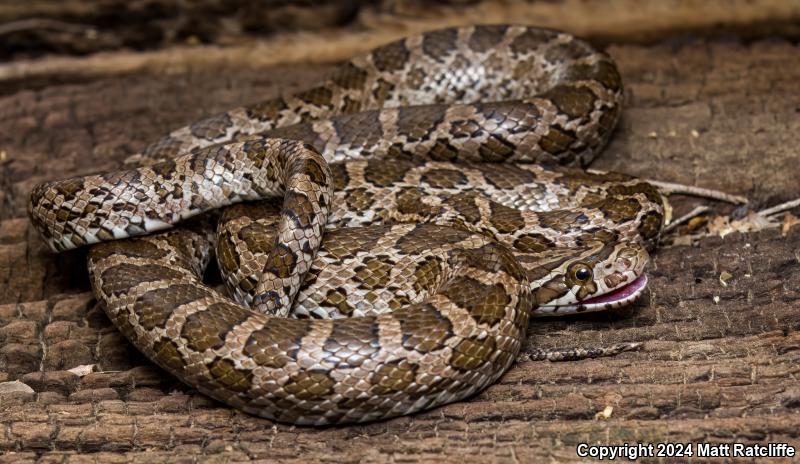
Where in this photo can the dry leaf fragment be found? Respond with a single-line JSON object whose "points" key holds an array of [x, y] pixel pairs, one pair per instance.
{"points": [[789, 221], [605, 414], [14, 387], [82, 370], [696, 223], [720, 225]]}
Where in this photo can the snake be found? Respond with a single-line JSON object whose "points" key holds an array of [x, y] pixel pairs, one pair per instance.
{"points": [[385, 235]]}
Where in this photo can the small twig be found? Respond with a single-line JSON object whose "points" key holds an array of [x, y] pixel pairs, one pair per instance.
{"points": [[779, 208], [693, 213], [41, 23], [671, 187]]}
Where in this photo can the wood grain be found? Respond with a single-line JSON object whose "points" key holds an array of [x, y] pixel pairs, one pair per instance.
{"points": [[719, 114]]}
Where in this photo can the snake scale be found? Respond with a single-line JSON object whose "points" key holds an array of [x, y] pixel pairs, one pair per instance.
{"points": [[411, 213]]}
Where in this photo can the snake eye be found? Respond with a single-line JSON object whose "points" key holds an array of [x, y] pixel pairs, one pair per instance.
{"points": [[582, 273]]}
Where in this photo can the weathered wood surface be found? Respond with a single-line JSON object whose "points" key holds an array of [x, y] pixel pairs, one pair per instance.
{"points": [[718, 114], [166, 36]]}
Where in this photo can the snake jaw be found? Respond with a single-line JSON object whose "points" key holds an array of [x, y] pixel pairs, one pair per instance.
{"points": [[617, 298]]}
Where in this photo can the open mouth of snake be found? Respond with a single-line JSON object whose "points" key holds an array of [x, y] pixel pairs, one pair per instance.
{"points": [[620, 296]]}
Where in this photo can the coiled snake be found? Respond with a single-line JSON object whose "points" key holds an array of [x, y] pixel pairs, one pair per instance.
{"points": [[450, 221]]}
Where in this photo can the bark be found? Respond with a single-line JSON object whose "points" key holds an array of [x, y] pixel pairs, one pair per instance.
{"points": [[719, 363]]}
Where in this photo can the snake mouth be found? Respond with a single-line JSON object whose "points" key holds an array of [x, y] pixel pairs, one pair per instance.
{"points": [[616, 298], [622, 296]]}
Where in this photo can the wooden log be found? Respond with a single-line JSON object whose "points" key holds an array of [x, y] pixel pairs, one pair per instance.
{"points": [[719, 363]]}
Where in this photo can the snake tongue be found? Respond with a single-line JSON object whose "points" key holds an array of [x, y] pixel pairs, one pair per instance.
{"points": [[626, 292]]}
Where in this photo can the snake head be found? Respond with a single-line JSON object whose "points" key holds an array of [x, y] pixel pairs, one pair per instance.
{"points": [[595, 277]]}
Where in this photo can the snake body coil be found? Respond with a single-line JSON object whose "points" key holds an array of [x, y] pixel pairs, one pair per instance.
{"points": [[435, 253]]}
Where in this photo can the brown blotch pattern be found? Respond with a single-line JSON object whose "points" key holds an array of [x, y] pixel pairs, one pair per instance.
{"points": [[465, 205], [443, 178], [566, 52], [472, 353], [359, 130], [154, 308], [207, 328], [277, 343], [442, 150], [318, 96], [165, 353], [417, 123], [409, 201], [256, 152], [394, 376], [382, 90], [308, 166], [562, 219], [426, 236], [134, 248], [343, 243], [427, 274], [350, 76], [122, 277], [167, 147], [533, 243], [383, 174], [608, 75], [648, 190], [227, 256], [556, 141], [226, 374], [67, 188], [577, 102], [337, 299], [550, 291], [352, 341], [281, 261], [496, 149], [439, 44], [503, 176], [651, 224], [424, 329], [485, 303], [303, 132], [310, 385], [299, 208], [341, 178], [211, 128], [486, 37], [359, 199], [529, 40], [620, 210], [259, 237], [391, 57], [374, 273], [269, 110], [536, 269], [505, 219], [493, 257]]}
